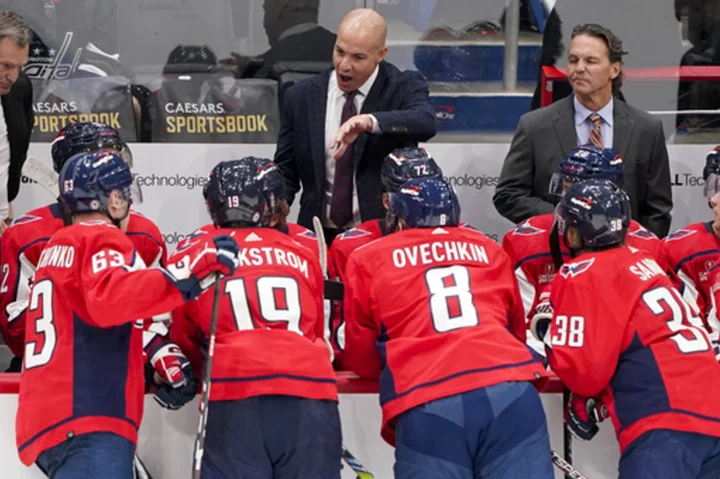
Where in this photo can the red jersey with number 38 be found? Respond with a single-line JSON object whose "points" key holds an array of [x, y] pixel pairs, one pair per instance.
{"points": [[621, 331], [270, 326], [428, 312]]}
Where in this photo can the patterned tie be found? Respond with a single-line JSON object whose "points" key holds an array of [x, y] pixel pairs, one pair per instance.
{"points": [[342, 190], [596, 133]]}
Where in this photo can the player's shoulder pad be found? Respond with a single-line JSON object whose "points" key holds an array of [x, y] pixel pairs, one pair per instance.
{"points": [[571, 270]]}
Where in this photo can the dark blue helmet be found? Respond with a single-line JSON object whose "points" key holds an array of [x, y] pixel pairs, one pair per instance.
{"points": [[86, 138], [87, 179], [587, 163], [404, 164], [243, 192], [711, 172], [426, 203], [598, 209]]}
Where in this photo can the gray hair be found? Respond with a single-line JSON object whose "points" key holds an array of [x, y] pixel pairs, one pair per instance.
{"points": [[613, 43], [13, 26]]}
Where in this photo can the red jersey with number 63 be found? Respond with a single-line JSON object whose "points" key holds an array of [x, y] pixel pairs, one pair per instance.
{"points": [[83, 364], [621, 331], [428, 311], [270, 326]]}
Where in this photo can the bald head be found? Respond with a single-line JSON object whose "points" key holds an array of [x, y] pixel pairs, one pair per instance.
{"points": [[359, 48]]}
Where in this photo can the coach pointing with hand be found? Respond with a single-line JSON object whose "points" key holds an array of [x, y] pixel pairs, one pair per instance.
{"points": [[339, 125]]}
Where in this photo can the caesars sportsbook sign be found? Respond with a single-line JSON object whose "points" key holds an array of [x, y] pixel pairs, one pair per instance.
{"points": [[57, 103], [215, 109]]}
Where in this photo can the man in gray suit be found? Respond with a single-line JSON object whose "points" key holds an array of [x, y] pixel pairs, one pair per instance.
{"points": [[593, 115]]}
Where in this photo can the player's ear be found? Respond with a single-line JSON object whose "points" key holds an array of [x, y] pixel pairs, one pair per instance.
{"points": [[574, 239], [386, 201], [401, 225]]}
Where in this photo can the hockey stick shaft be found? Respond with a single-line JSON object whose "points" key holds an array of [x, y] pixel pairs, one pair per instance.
{"points": [[204, 402], [566, 467], [347, 456]]}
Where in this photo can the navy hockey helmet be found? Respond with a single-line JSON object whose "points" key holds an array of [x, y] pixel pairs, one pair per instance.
{"points": [[87, 137], [585, 163], [243, 191], [711, 172], [426, 203], [404, 164], [598, 209], [87, 180]]}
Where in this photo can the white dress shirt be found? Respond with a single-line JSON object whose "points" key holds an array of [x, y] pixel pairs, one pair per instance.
{"points": [[4, 167], [333, 120], [584, 126]]}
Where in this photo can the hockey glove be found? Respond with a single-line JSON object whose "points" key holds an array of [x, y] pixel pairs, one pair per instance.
{"points": [[583, 415], [174, 377], [543, 316], [193, 276]]}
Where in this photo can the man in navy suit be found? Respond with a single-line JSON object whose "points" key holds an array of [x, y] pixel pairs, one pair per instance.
{"points": [[338, 126]]}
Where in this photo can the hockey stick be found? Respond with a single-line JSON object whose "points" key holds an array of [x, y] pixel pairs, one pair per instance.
{"points": [[557, 258], [202, 423], [566, 467], [40, 173], [347, 456]]}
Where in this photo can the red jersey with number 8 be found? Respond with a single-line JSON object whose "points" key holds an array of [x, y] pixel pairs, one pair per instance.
{"points": [[270, 329], [621, 331], [428, 311]]}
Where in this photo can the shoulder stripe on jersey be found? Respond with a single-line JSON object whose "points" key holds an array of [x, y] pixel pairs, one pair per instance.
{"points": [[457, 375], [695, 255], [275, 376], [536, 256], [140, 233]]}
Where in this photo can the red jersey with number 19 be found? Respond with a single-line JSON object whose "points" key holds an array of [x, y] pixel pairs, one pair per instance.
{"points": [[270, 326], [620, 330], [428, 312], [83, 347]]}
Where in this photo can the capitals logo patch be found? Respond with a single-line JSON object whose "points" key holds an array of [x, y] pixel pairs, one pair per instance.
{"points": [[679, 234], [574, 269], [354, 233], [526, 229], [307, 234], [642, 233]]}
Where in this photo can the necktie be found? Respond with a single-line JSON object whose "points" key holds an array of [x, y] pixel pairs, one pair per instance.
{"points": [[342, 190], [596, 133]]}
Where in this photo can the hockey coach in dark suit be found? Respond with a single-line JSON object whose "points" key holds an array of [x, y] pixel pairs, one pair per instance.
{"points": [[594, 114], [338, 126]]}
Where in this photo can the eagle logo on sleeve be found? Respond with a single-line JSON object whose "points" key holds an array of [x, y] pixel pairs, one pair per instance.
{"points": [[642, 233], [679, 234], [575, 269], [526, 229]]}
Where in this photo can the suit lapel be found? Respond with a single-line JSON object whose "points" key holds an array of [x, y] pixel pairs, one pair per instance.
{"points": [[317, 103], [371, 104], [622, 128], [564, 125]]}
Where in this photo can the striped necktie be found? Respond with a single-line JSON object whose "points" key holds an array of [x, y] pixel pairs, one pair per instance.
{"points": [[341, 203], [596, 133]]}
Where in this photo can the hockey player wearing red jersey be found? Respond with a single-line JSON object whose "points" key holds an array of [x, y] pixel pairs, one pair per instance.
{"points": [[617, 331], [401, 165], [428, 310], [83, 340], [273, 410], [24, 241], [692, 250], [528, 244], [298, 233]]}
